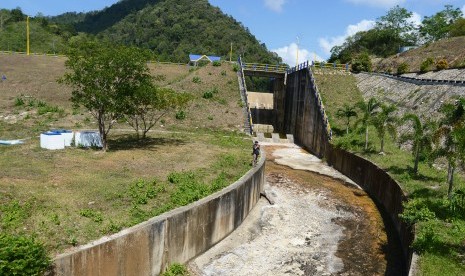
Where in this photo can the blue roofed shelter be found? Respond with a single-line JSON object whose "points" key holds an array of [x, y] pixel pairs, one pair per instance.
{"points": [[195, 59]]}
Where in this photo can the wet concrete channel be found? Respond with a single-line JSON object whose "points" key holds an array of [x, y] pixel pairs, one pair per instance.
{"points": [[320, 223]]}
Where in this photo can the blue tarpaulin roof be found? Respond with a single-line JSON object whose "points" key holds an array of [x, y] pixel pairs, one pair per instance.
{"points": [[195, 58]]}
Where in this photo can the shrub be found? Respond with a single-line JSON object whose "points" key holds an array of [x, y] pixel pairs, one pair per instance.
{"points": [[196, 79], [96, 216], [22, 255], [362, 63], [176, 270], [216, 63], [181, 115], [223, 73], [207, 95], [402, 68], [442, 64], [426, 65], [235, 67], [19, 101], [416, 210]]}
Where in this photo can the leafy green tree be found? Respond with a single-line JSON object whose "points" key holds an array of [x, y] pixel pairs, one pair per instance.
{"points": [[439, 25], [346, 112], [369, 110], [421, 137], [384, 121], [149, 104], [398, 21], [457, 28], [450, 138], [104, 79]]}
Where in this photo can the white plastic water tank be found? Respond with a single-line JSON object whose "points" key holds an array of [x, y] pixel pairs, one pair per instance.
{"points": [[87, 139], [51, 141], [67, 136]]}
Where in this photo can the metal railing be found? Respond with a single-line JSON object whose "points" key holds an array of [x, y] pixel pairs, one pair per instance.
{"points": [[244, 94], [278, 68]]}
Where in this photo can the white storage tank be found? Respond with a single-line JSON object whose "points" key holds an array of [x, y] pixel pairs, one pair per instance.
{"points": [[88, 139], [52, 141], [67, 136]]}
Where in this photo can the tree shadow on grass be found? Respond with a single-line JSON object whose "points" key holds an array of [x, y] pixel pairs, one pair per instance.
{"points": [[409, 171], [130, 142]]}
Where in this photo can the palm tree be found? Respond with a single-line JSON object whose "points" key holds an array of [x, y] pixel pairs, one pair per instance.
{"points": [[369, 110], [346, 112], [385, 121], [450, 138], [421, 137]]}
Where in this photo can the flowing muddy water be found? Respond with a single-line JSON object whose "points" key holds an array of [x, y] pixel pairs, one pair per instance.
{"points": [[319, 224]]}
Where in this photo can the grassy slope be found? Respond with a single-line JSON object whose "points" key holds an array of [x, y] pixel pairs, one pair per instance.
{"points": [[445, 254], [71, 197], [450, 48]]}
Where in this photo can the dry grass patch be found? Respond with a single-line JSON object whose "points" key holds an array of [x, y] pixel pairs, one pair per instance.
{"points": [[73, 196]]}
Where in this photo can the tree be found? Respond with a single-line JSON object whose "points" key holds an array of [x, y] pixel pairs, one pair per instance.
{"points": [[104, 79], [369, 110], [346, 112], [398, 21], [421, 137], [439, 25], [149, 104], [458, 28], [385, 121], [450, 138]]}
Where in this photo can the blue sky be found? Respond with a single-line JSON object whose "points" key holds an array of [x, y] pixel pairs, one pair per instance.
{"points": [[315, 25]]}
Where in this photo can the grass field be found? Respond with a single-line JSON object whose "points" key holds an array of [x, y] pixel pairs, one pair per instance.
{"points": [[70, 197], [439, 241]]}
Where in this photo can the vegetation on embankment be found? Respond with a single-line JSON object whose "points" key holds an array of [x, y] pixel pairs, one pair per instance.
{"points": [[67, 198], [440, 221]]}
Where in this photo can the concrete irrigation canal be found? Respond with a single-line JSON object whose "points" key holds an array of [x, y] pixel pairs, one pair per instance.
{"points": [[314, 222]]}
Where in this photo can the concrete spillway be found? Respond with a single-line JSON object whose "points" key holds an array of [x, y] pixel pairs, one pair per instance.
{"points": [[318, 225]]}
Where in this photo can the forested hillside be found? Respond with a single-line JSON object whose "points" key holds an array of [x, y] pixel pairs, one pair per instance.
{"points": [[171, 28]]}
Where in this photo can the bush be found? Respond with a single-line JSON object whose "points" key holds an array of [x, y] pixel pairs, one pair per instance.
{"points": [[216, 63], [207, 95], [176, 270], [22, 255], [442, 64], [181, 115], [362, 63], [402, 68], [235, 67], [196, 79], [19, 101], [426, 65], [416, 210]]}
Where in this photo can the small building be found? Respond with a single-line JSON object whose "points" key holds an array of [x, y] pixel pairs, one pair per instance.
{"points": [[194, 59]]}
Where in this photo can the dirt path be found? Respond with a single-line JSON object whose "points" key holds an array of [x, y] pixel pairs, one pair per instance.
{"points": [[318, 225]]}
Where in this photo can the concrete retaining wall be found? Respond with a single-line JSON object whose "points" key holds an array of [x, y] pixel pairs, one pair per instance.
{"points": [[177, 236], [303, 117]]}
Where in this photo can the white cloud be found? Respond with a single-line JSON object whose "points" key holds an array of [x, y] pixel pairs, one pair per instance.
{"points": [[289, 54], [275, 5], [378, 3], [415, 19], [328, 43]]}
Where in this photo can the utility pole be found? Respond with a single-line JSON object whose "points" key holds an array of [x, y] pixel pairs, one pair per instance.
{"points": [[27, 34]]}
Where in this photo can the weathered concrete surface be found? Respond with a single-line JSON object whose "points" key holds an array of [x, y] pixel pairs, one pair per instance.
{"points": [[317, 226], [260, 100], [299, 112], [176, 236]]}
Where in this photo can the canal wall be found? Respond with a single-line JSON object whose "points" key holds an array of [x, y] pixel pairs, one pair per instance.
{"points": [[304, 116], [174, 237]]}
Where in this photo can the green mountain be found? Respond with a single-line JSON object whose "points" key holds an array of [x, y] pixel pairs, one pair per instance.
{"points": [[175, 28]]}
